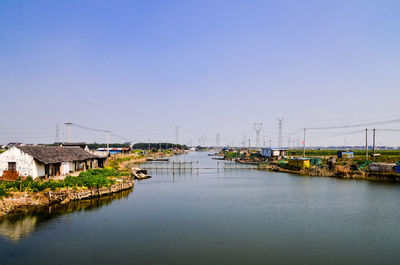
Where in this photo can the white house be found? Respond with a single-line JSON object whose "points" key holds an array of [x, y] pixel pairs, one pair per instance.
{"points": [[46, 161], [273, 152]]}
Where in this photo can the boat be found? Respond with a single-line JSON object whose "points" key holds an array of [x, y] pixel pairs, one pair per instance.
{"points": [[139, 173], [154, 159]]}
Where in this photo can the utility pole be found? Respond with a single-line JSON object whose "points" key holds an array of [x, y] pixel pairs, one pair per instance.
{"points": [[176, 135], [264, 141], [57, 133], [68, 124], [366, 144], [204, 139], [304, 143], [108, 141], [373, 148], [270, 143], [249, 143], [280, 120]]}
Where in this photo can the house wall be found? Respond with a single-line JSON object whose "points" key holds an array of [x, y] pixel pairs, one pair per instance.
{"points": [[266, 152], [39, 169], [26, 164], [276, 153], [65, 168]]}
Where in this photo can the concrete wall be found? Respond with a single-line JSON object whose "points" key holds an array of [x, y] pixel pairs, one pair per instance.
{"points": [[26, 165]]}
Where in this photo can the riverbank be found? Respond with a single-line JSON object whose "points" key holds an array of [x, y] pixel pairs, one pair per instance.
{"points": [[338, 172], [23, 196], [23, 202], [324, 163]]}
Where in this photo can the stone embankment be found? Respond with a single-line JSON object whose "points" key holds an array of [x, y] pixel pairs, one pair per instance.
{"points": [[21, 202]]}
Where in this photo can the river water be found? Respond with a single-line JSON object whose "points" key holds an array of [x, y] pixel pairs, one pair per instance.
{"points": [[210, 216]]}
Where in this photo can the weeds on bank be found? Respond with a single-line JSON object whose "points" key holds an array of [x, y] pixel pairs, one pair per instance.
{"points": [[89, 179]]}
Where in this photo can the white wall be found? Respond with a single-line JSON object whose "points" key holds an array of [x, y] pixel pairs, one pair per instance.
{"points": [[65, 168], [26, 165], [40, 172]]}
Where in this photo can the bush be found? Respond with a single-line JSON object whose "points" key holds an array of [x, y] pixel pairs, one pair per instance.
{"points": [[3, 192]]}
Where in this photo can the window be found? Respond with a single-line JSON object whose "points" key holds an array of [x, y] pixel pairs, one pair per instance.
{"points": [[12, 166]]}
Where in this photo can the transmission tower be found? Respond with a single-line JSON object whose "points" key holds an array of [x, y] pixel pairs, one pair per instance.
{"points": [[204, 139], [217, 140], [257, 128], [176, 135], [280, 121], [57, 133], [68, 124]]}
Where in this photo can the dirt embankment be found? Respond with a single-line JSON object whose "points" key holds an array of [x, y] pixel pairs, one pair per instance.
{"points": [[338, 172], [20, 202]]}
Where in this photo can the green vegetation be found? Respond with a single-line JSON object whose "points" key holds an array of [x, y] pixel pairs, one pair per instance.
{"points": [[156, 146], [114, 163], [1, 151], [389, 156], [92, 178], [3, 192], [299, 152], [231, 155]]}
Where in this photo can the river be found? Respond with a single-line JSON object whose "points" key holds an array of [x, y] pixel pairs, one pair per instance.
{"points": [[210, 216]]}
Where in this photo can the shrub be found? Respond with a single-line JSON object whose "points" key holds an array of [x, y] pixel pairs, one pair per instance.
{"points": [[3, 192]]}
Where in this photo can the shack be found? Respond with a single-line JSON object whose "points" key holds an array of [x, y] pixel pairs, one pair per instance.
{"points": [[345, 154], [115, 150], [273, 152], [382, 167], [299, 162], [45, 161]]}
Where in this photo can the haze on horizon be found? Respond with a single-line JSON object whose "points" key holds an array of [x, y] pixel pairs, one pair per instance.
{"points": [[140, 68]]}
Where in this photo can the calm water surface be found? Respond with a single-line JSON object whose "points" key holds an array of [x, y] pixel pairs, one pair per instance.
{"points": [[216, 217]]}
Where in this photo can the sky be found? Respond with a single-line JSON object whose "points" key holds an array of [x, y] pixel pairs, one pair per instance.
{"points": [[142, 68]]}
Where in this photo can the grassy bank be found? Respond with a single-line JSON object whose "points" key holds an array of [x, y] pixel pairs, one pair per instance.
{"points": [[88, 179], [385, 155]]}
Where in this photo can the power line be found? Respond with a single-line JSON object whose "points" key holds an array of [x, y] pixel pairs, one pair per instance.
{"points": [[88, 128], [355, 125]]}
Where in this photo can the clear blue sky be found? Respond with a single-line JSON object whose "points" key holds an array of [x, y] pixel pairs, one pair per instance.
{"points": [[140, 68]]}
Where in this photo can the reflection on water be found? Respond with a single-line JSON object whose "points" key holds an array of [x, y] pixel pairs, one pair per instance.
{"points": [[211, 216], [15, 227]]}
